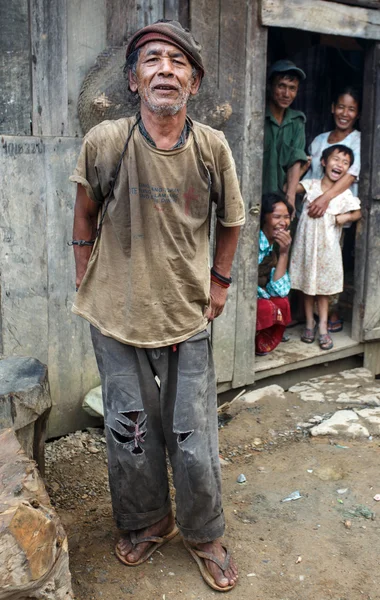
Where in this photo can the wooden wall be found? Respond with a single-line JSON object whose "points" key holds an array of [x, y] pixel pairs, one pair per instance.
{"points": [[46, 48]]}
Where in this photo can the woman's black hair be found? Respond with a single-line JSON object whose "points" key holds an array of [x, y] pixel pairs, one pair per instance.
{"points": [[351, 91], [268, 202]]}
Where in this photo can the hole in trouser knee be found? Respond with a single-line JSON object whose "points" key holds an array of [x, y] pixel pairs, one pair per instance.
{"points": [[182, 437], [129, 429]]}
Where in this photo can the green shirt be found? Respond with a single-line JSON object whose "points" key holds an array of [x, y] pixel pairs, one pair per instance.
{"points": [[284, 145]]}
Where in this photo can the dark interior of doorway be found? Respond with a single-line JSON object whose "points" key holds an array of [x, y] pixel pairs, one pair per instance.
{"points": [[330, 63]]}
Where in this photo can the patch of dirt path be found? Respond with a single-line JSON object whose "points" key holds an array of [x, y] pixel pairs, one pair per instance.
{"points": [[267, 536]]}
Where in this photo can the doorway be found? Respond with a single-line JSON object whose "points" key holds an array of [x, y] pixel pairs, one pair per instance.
{"points": [[330, 63]]}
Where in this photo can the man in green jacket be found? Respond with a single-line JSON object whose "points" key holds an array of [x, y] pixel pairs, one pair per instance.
{"points": [[284, 133]]}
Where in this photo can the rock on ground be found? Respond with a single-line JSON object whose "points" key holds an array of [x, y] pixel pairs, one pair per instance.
{"points": [[34, 563], [354, 386], [25, 403]]}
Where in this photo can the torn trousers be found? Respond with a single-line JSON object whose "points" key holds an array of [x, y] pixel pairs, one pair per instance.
{"points": [[143, 419]]}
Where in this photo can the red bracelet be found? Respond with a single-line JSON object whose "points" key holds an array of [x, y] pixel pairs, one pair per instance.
{"points": [[220, 283]]}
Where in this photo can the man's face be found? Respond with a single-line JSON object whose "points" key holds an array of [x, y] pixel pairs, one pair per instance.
{"points": [[164, 78], [336, 165], [283, 90]]}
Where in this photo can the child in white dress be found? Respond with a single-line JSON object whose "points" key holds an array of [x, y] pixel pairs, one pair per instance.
{"points": [[316, 266]]}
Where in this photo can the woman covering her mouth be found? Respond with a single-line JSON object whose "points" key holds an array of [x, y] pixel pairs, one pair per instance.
{"points": [[273, 309]]}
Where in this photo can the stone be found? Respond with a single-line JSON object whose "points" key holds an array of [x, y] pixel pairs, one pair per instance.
{"points": [[34, 560], [354, 386], [25, 403], [265, 392], [372, 416], [343, 422], [359, 372], [93, 402]]}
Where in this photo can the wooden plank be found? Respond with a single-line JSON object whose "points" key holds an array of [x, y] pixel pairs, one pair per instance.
{"points": [[231, 75], [87, 37], [37, 279], [371, 321], [372, 357], [15, 84], [71, 361], [23, 255], [49, 69], [353, 350], [204, 19], [177, 10], [322, 16], [254, 112], [124, 17], [367, 132]]}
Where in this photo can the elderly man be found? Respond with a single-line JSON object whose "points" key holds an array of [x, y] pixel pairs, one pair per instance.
{"points": [[145, 189], [284, 131]]}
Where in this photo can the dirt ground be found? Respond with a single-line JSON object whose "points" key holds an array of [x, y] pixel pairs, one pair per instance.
{"points": [[318, 547]]}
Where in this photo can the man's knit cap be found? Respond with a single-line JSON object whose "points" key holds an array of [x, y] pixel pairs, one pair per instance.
{"points": [[173, 33]]}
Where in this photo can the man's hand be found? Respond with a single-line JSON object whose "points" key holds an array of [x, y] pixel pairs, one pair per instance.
{"points": [[284, 241], [291, 198], [218, 299], [318, 207], [82, 256]]}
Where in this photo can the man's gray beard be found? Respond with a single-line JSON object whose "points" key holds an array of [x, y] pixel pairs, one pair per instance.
{"points": [[162, 109]]}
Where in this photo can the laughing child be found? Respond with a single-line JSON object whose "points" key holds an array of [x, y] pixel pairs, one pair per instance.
{"points": [[316, 266]]}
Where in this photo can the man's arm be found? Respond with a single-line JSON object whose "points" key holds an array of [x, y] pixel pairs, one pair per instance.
{"points": [[226, 244], [293, 176], [85, 220], [319, 206]]}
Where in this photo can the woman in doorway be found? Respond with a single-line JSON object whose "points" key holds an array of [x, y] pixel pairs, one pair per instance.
{"points": [[273, 309], [346, 111]]}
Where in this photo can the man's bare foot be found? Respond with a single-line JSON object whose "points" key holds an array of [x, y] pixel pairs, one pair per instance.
{"points": [[134, 553], [222, 578]]}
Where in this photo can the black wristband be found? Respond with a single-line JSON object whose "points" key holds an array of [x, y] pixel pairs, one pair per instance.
{"points": [[220, 277], [81, 243]]}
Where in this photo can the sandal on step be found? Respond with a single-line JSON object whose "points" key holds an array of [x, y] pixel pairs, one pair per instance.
{"points": [[325, 342], [335, 326], [308, 335], [199, 556], [157, 542]]}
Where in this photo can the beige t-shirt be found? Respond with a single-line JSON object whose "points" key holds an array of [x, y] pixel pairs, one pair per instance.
{"points": [[147, 283]]}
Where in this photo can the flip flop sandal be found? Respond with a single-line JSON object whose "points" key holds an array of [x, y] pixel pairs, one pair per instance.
{"points": [[199, 556], [285, 338], [308, 335], [157, 542], [325, 342], [335, 326]]}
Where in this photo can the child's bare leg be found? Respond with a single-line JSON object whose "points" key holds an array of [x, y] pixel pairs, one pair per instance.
{"points": [[323, 309], [309, 311]]}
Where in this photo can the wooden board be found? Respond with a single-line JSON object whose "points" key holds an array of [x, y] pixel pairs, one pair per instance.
{"points": [[23, 253], [178, 10], [370, 169], [204, 19], [254, 112], [322, 16], [15, 85], [365, 193], [37, 280], [232, 35], [49, 67], [87, 37], [372, 357], [124, 17]]}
